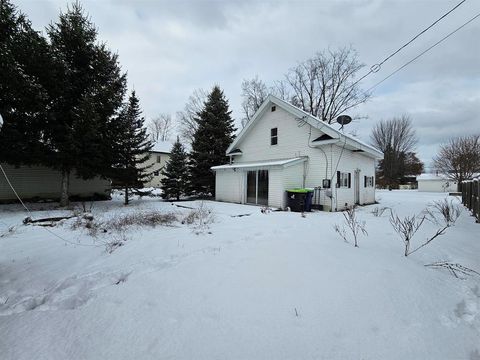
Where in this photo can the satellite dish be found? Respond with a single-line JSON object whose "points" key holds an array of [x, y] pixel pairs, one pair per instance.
{"points": [[344, 120]]}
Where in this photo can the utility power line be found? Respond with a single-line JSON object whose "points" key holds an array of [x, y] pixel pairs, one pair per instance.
{"points": [[30, 213], [375, 68], [425, 51]]}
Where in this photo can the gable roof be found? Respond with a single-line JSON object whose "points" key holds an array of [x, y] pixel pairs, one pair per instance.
{"points": [[162, 147], [326, 128]]}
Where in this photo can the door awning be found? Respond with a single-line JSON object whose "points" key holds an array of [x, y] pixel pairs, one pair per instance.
{"points": [[262, 164]]}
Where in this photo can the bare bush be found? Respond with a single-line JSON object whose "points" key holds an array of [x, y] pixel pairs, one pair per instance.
{"points": [[406, 228], [120, 223], [87, 221], [152, 218], [200, 217], [446, 210], [444, 213], [114, 241], [354, 225], [379, 211], [457, 270]]}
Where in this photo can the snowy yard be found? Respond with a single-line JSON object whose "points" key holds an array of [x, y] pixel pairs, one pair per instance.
{"points": [[263, 286]]}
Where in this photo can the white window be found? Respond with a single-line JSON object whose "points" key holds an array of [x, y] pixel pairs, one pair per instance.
{"points": [[343, 179], [368, 181], [274, 136]]}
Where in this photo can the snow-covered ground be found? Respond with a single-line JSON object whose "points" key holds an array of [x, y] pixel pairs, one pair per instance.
{"points": [[263, 286]]}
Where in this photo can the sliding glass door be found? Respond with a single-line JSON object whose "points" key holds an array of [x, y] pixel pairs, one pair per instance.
{"points": [[252, 187], [257, 187]]}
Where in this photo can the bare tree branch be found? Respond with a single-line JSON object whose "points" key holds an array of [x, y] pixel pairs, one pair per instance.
{"points": [[161, 127], [254, 93], [187, 117], [396, 138], [459, 158], [325, 85]]}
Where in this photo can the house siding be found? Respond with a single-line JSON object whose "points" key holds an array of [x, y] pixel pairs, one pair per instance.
{"points": [[155, 181], [229, 186], [349, 162], [42, 182], [322, 163], [275, 187]]}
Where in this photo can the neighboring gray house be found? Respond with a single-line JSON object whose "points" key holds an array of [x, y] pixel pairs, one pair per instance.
{"points": [[283, 147], [39, 182]]}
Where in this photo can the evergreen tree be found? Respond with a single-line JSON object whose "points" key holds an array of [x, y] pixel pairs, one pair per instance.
{"points": [[176, 180], [25, 78], [89, 88], [214, 134], [132, 148]]}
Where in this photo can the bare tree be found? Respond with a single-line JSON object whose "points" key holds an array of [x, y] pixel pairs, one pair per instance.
{"points": [[254, 93], [187, 117], [459, 158], [160, 128], [396, 138], [325, 85]]}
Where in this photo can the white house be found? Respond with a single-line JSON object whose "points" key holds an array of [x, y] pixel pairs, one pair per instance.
{"points": [[159, 156], [283, 147], [436, 183]]}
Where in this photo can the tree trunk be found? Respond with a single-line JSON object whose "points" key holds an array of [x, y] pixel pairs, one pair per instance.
{"points": [[126, 196], [65, 186]]}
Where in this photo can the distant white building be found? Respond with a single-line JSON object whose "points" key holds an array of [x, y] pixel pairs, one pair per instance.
{"points": [[159, 156], [436, 183]]}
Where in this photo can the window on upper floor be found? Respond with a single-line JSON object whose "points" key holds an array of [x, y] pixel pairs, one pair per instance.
{"points": [[156, 173], [274, 136], [159, 159]]}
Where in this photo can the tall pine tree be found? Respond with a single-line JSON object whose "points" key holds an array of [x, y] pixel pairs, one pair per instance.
{"points": [[176, 180], [131, 149], [88, 93], [214, 134], [25, 80]]}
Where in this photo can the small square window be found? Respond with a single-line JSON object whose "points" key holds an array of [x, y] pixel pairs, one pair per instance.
{"points": [[159, 159], [156, 173], [274, 136], [274, 108]]}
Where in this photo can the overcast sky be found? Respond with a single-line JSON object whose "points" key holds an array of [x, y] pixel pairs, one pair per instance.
{"points": [[169, 48]]}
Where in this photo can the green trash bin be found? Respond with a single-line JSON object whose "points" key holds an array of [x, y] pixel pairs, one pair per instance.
{"points": [[300, 199]]}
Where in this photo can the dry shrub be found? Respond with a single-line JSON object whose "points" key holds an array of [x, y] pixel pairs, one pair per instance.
{"points": [[151, 218], [200, 217], [353, 224]]}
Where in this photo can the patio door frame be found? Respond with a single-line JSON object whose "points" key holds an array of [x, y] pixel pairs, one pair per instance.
{"points": [[256, 186]]}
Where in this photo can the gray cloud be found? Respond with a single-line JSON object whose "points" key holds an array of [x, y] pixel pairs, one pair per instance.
{"points": [[169, 48]]}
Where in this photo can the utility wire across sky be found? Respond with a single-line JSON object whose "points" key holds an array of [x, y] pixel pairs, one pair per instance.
{"points": [[375, 68], [424, 52]]}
